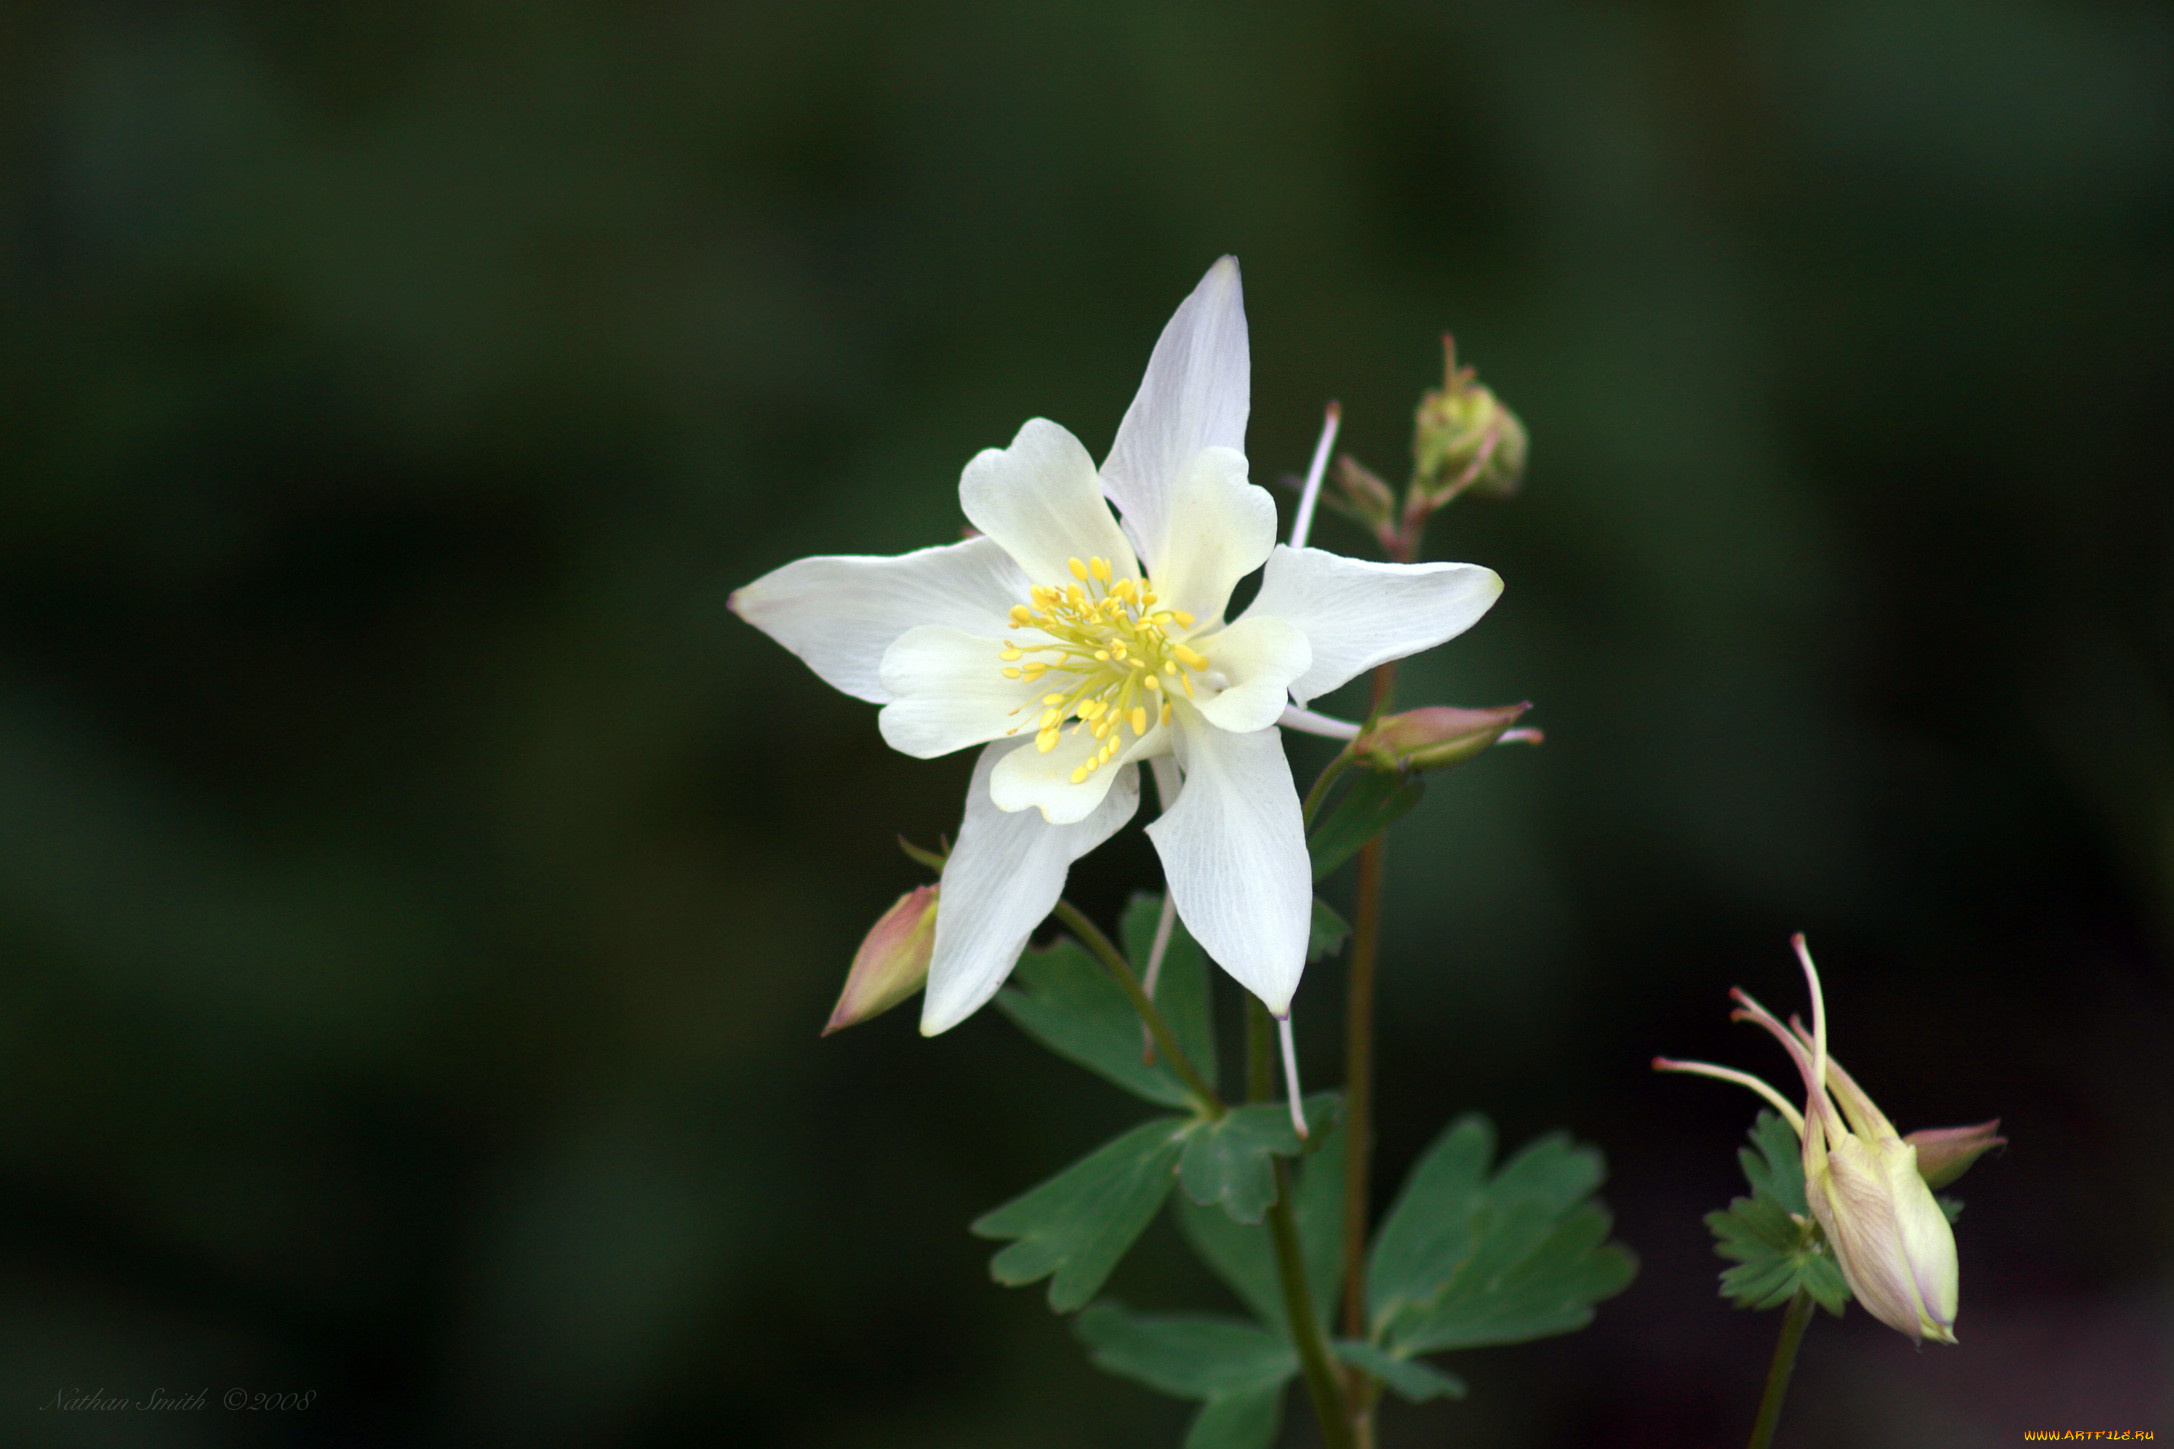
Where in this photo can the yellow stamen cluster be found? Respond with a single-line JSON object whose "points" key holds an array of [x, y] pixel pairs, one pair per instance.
{"points": [[1112, 658]]}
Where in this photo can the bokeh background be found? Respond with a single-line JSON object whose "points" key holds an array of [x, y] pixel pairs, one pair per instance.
{"points": [[419, 896]]}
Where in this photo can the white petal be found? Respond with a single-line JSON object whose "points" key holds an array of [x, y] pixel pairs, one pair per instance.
{"points": [[948, 691], [1221, 529], [1030, 780], [840, 612], [1358, 614], [1003, 877], [1195, 395], [1233, 849], [1259, 657], [1040, 499]]}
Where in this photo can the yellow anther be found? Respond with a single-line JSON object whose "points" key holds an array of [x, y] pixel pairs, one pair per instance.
{"points": [[1100, 568], [1036, 670], [1102, 728], [1048, 721], [1190, 658], [1187, 681], [1076, 594], [1021, 616], [1166, 712], [1046, 741], [1010, 673], [1011, 651], [1184, 619], [1139, 720], [1053, 699], [1169, 666], [1079, 776], [1102, 656], [1152, 682], [1079, 570]]}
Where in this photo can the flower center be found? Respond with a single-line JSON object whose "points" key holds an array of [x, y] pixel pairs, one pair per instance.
{"points": [[1111, 662]]}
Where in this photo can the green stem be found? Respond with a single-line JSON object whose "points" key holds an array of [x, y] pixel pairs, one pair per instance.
{"points": [[1793, 1325], [1323, 1385], [1090, 935], [1320, 789]]}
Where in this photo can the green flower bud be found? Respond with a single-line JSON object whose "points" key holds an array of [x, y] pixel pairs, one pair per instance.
{"points": [[1464, 439], [892, 962], [1435, 738]]}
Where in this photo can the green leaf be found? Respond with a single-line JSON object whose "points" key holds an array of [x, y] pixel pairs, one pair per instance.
{"points": [[1079, 1223], [1771, 1237], [1237, 1367], [1247, 1419], [1189, 1355], [1366, 809], [1408, 1378], [1227, 1160], [1243, 1257], [1466, 1259], [1181, 991], [1328, 933], [1064, 999]]}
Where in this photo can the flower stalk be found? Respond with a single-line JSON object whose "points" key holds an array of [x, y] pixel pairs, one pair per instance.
{"points": [[1793, 1324], [1324, 1386], [1105, 950]]}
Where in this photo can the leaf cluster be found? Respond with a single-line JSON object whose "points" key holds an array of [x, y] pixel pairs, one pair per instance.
{"points": [[1468, 1255], [1771, 1236]]}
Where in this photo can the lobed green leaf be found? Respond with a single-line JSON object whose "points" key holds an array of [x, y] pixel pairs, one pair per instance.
{"points": [[1188, 1355], [1466, 1258], [1064, 999], [1246, 1419], [1226, 1161], [1770, 1236], [1242, 1256], [1409, 1379], [1075, 1227]]}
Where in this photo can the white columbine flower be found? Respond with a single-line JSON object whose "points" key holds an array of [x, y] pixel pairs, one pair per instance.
{"points": [[1074, 649]]}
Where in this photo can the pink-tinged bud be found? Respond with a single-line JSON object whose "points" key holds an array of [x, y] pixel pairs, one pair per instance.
{"points": [[1433, 738], [1869, 1188], [892, 962], [1945, 1153]]}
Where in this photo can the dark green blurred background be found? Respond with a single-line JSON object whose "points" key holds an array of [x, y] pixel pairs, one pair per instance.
{"points": [[419, 897]]}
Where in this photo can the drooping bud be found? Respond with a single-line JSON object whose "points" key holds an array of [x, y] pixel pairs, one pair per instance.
{"points": [[1945, 1153], [892, 962], [1433, 738], [1867, 1186], [1464, 439]]}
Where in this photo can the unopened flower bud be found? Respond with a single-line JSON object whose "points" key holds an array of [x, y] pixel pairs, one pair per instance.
{"points": [[1945, 1153], [892, 962], [1869, 1188], [1464, 439], [1433, 738]]}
